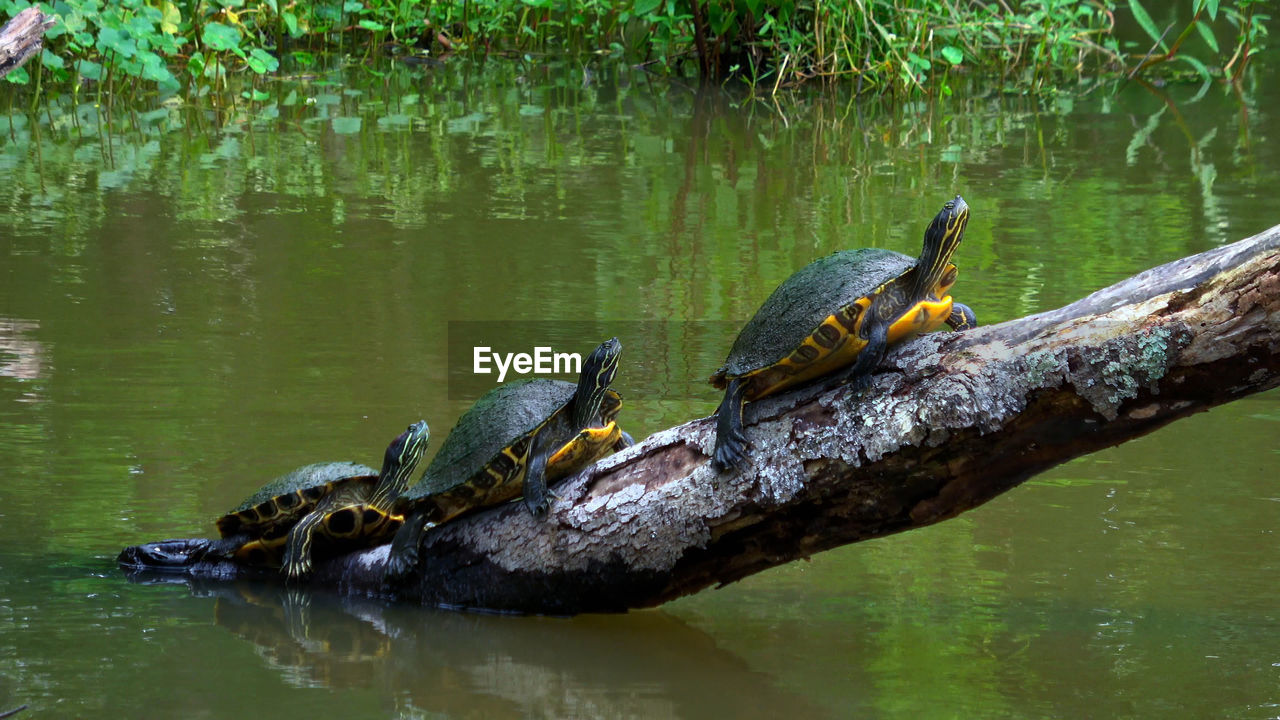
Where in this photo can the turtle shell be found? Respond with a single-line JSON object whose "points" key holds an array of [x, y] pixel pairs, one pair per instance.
{"points": [[500, 418], [289, 497], [804, 300]]}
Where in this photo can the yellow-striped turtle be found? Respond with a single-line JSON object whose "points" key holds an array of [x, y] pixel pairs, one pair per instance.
{"points": [[515, 440], [346, 505], [837, 316]]}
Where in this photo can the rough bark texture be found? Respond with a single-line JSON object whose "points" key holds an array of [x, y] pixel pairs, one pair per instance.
{"points": [[22, 37], [948, 421]]}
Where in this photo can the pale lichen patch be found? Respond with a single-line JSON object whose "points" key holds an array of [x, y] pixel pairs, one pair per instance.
{"points": [[781, 479], [1043, 368], [1108, 374]]}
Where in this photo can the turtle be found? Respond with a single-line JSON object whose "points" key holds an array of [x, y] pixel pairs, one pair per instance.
{"points": [[345, 503], [836, 317], [513, 441]]}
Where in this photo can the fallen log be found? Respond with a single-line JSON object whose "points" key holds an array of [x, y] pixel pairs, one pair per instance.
{"points": [[948, 421], [22, 37]]}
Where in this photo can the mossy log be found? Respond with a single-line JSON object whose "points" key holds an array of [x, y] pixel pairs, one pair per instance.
{"points": [[22, 37], [948, 421]]}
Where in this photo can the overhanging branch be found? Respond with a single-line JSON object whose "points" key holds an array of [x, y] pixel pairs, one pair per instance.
{"points": [[22, 37]]}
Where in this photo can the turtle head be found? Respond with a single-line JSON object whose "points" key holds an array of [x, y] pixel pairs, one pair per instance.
{"points": [[402, 457], [940, 243], [593, 384]]}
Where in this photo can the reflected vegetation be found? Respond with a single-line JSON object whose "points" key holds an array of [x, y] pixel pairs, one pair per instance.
{"points": [[194, 299]]}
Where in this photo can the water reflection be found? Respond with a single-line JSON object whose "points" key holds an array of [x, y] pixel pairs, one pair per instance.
{"points": [[318, 643], [643, 664], [21, 357]]}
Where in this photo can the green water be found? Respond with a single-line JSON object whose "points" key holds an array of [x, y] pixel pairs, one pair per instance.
{"points": [[191, 303]]}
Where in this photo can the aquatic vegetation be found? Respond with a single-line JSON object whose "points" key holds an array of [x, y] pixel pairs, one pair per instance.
{"points": [[909, 47]]}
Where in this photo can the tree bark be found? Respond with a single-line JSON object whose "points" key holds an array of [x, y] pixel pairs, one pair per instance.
{"points": [[22, 37], [948, 421]]}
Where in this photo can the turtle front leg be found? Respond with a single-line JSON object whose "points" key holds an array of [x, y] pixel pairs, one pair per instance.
{"points": [[859, 373], [731, 441], [536, 495], [624, 441], [962, 317], [297, 554], [403, 554]]}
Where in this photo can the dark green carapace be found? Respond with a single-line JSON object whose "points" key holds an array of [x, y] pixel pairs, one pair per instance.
{"points": [[345, 504], [515, 440], [835, 318]]}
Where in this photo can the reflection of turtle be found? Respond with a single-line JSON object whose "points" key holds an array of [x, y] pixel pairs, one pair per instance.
{"points": [[344, 503], [308, 639], [513, 441], [839, 313]]}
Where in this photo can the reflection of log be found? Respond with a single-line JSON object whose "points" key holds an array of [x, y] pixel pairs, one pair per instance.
{"points": [[452, 665], [949, 421], [22, 37]]}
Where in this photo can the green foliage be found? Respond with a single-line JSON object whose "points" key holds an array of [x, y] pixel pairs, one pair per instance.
{"points": [[1242, 15], [129, 36], [897, 46], [222, 38]]}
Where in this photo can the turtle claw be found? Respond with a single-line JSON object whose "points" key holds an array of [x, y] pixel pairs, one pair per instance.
{"points": [[297, 560], [729, 454], [404, 552], [962, 317], [859, 383], [535, 500], [297, 569], [399, 564]]}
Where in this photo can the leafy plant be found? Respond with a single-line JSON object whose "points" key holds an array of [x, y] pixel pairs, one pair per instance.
{"points": [[891, 46], [1250, 28]]}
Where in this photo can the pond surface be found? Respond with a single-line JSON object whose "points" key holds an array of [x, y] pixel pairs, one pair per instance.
{"points": [[193, 302]]}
